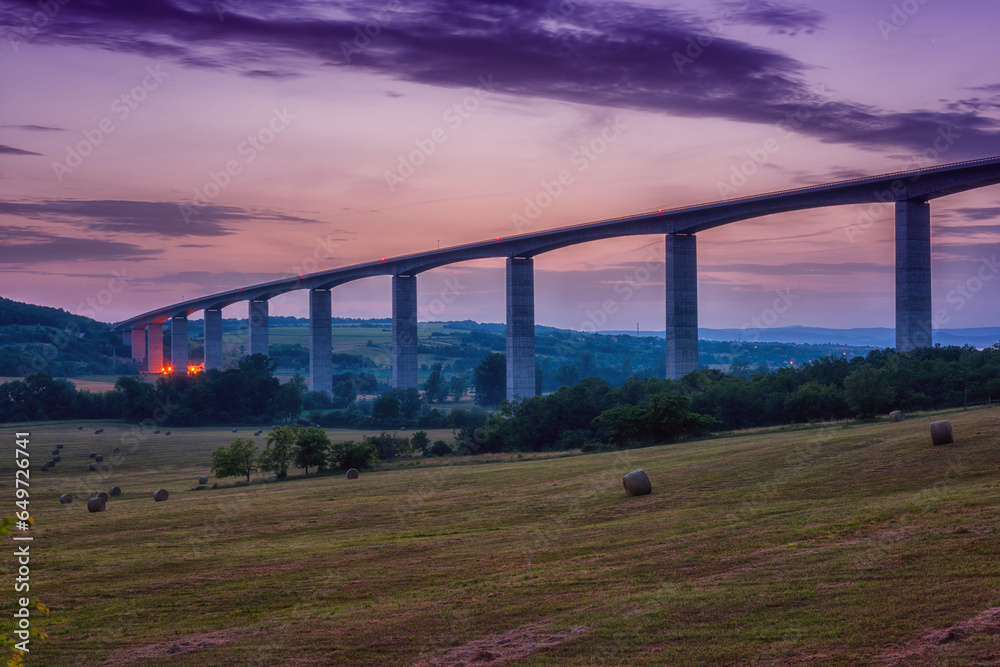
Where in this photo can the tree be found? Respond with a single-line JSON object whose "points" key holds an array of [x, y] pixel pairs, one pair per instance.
{"points": [[419, 441], [410, 403], [344, 393], [868, 391], [238, 459], [386, 406], [459, 384], [489, 379], [280, 450], [288, 401], [139, 397], [258, 383], [434, 388], [312, 448]]}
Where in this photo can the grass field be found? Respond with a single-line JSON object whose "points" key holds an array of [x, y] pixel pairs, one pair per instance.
{"points": [[832, 546]]}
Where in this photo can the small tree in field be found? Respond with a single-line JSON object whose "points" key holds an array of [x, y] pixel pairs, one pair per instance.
{"points": [[280, 450], [420, 442], [239, 458], [312, 448]]}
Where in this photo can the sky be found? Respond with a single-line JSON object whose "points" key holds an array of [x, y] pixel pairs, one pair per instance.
{"points": [[168, 149]]}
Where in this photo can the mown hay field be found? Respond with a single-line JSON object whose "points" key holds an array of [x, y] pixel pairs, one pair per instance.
{"points": [[829, 545]]}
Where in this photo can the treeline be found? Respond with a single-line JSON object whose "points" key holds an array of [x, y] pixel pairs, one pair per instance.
{"points": [[310, 447], [247, 394], [596, 413]]}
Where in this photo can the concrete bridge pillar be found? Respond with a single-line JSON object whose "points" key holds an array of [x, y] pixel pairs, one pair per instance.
{"points": [[404, 331], [913, 275], [258, 326], [179, 343], [213, 339], [155, 355], [138, 344], [682, 305], [320, 341], [520, 327]]}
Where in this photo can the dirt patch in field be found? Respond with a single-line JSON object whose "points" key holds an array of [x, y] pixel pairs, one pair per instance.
{"points": [[169, 649], [924, 645], [498, 649]]}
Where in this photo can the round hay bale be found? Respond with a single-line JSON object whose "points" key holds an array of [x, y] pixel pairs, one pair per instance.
{"points": [[637, 483], [100, 430], [160, 495], [97, 432], [167, 433], [79, 428], [156, 432], [65, 499], [896, 416], [59, 446], [100, 494], [93, 455], [115, 491], [941, 432], [98, 458], [116, 451], [50, 463], [45, 467], [203, 480], [93, 467], [57, 458], [352, 473], [234, 430], [55, 451], [97, 504]]}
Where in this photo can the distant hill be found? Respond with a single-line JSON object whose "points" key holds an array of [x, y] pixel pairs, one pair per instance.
{"points": [[880, 337], [26, 314], [38, 338]]}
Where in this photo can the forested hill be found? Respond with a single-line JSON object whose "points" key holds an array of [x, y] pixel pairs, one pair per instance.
{"points": [[38, 338], [26, 314]]}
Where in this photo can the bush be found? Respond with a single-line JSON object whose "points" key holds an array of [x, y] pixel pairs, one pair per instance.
{"points": [[351, 454], [439, 448]]}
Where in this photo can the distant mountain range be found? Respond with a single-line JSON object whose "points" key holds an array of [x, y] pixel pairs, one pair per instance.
{"points": [[880, 337]]}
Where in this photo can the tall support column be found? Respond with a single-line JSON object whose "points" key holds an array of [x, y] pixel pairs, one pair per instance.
{"points": [[213, 339], [138, 344], [404, 331], [682, 305], [179, 343], [913, 275], [258, 326], [320, 341], [520, 327], [155, 355]]}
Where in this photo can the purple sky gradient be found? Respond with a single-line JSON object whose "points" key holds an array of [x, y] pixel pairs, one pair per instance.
{"points": [[164, 94]]}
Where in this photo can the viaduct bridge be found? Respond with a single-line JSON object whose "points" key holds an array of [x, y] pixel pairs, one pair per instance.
{"points": [[908, 191]]}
